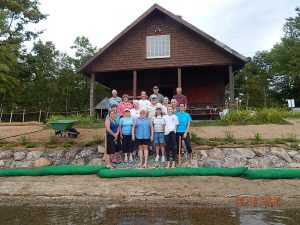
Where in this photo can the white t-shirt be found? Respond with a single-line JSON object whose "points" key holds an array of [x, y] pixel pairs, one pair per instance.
{"points": [[144, 104], [151, 110], [170, 123], [135, 113]]}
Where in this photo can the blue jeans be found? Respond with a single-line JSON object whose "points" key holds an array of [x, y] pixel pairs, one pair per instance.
{"points": [[159, 138]]}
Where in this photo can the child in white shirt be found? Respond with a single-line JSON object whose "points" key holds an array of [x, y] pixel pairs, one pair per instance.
{"points": [[171, 123]]}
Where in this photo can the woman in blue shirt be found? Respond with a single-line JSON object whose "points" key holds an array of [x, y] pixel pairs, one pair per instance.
{"points": [[141, 131], [125, 127], [183, 128]]}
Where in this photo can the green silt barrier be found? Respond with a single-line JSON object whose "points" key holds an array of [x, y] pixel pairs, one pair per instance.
{"points": [[53, 170], [272, 174], [185, 171]]}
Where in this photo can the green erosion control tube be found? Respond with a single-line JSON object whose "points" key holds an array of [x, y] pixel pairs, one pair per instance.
{"points": [[272, 174], [52, 170], [186, 171]]}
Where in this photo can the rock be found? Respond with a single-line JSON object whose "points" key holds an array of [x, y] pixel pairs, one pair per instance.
{"points": [[96, 161], [2, 163], [294, 165], [61, 162], [80, 161], [86, 152], [41, 162], [276, 162], [252, 163], [264, 162], [297, 157], [292, 152], [246, 152], [230, 151], [71, 153], [26, 164], [8, 163], [203, 153], [19, 155], [6, 154], [215, 153], [261, 151], [55, 155], [281, 153], [101, 149], [207, 162], [34, 155], [234, 161]]}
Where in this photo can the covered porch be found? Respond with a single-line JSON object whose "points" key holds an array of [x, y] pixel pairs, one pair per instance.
{"points": [[204, 86]]}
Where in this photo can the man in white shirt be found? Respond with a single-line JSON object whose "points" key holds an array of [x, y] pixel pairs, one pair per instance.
{"points": [[144, 102], [152, 107]]}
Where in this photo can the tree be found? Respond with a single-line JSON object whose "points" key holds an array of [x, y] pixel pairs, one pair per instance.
{"points": [[14, 18], [271, 77]]}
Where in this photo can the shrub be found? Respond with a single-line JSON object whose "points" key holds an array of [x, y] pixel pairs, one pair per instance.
{"points": [[88, 143], [98, 139], [30, 145], [290, 137], [271, 115], [295, 145], [275, 141], [67, 145], [50, 146], [52, 140], [23, 140], [9, 145], [237, 117], [257, 139], [229, 137]]}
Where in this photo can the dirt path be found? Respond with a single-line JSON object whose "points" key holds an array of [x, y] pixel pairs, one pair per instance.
{"points": [[201, 191], [267, 131]]}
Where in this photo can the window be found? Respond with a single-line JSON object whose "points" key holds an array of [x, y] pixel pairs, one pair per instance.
{"points": [[158, 46]]}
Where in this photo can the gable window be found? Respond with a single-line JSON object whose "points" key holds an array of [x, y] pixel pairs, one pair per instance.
{"points": [[158, 46]]}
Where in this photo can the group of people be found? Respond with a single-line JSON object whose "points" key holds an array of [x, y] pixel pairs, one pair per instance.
{"points": [[135, 126]]}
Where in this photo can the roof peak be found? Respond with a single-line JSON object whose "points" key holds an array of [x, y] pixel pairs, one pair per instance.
{"points": [[176, 18]]}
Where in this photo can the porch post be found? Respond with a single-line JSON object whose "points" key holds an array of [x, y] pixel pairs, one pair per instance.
{"points": [[179, 77], [92, 88], [134, 84], [231, 85]]}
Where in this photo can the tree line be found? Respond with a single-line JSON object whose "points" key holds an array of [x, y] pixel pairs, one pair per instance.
{"points": [[271, 77], [40, 77], [44, 78]]}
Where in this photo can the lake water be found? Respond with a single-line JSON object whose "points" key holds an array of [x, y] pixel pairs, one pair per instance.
{"points": [[112, 215]]}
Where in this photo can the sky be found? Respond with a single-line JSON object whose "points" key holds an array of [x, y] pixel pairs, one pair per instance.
{"points": [[246, 26]]}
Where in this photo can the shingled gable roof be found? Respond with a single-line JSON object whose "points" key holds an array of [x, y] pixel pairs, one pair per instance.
{"points": [[173, 16]]}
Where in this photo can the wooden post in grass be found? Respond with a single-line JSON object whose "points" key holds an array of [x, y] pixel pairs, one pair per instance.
{"points": [[40, 115], [11, 114], [23, 115], [179, 151]]}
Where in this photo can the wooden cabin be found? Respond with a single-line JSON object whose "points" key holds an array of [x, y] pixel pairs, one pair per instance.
{"points": [[160, 48]]}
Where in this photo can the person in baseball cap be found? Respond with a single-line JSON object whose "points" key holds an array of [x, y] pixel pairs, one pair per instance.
{"points": [[159, 96]]}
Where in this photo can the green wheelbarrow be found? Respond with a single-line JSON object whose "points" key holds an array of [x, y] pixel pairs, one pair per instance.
{"points": [[64, 127]]}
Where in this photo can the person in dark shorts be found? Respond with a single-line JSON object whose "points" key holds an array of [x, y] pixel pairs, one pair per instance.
{"points": [[142, 133], [125, 126], [112, 142]]}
